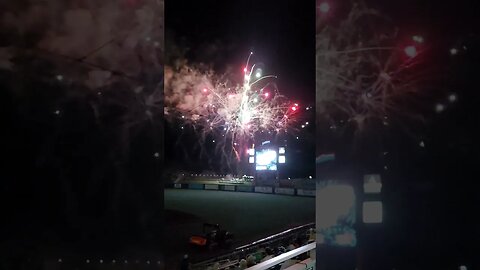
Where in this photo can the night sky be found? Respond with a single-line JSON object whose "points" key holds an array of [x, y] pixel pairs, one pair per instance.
{"points": [[278, 32], [430, 184], [222, 34]]}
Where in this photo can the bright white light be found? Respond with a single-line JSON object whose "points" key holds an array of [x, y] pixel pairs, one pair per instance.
{"points": [[310, 177], [183, 116], [297, 138], [372, 183], [306, 123], [251, 160], [418, 39], [266, 157], [281, 159], [439, 108], [57, 112], [266, 160], [411, 51], [258, 74], [255, 100], [281, 150], [245, 116], [372, 212], [156, 154], [324, 7], [213, 140], [247, 77], [453, 51], [251, 152], [452, 98]]}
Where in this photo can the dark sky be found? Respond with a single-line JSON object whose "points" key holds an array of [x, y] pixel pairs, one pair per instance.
{"points": [[279, 32]]}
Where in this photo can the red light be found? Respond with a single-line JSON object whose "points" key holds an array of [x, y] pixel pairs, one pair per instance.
{"points": [[294, 108], [204, 90], [267, 94], [245, 70]]}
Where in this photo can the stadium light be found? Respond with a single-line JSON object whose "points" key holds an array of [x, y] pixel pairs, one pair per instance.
{"points": [[372, 183], [372, 212]]}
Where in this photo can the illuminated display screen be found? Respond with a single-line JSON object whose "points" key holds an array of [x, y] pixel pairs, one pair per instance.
{"points": [[281, 159], [266, 160], [335, 214]]}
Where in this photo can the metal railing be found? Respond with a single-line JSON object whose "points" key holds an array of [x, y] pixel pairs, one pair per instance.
{"points": [[250, 248], [283, 257]]}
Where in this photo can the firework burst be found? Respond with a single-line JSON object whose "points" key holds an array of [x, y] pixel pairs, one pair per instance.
{"points": [[232, 113], [366, 73]]}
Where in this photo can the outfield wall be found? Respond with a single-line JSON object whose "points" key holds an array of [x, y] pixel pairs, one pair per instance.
{"points": [[241, 188]]}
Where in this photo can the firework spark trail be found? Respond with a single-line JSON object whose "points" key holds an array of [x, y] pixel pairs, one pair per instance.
{"points": [[232, 113], [362, 74]]}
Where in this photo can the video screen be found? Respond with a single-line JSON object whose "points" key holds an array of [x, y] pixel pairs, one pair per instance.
{"points": [[266, 160], [335, 214]]}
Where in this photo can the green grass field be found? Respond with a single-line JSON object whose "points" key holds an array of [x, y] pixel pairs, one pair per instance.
{"points": [[249, 216]]}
